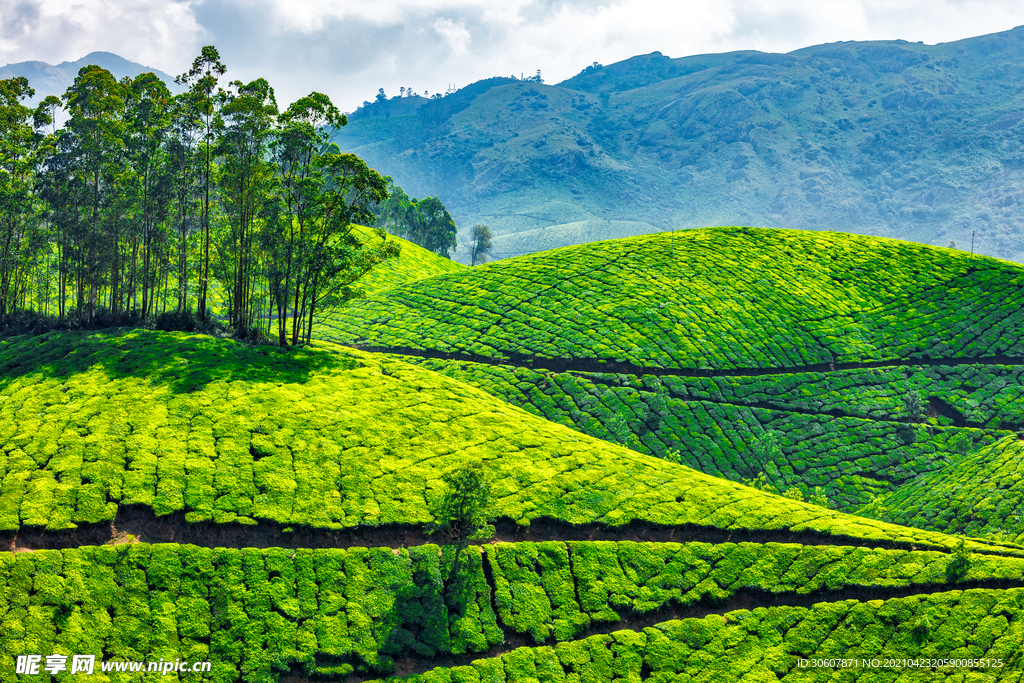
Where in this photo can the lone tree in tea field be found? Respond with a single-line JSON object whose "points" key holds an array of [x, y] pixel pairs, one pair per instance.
{"points": [[464, 510], [481, 244]]}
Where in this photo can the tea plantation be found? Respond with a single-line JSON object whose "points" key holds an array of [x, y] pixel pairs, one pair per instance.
{"points": [[413, 263], [860, 413], [846, 431], [714, 299], [609, 391], [955, 636], [227, 433], [977, 494], [258, 614]]}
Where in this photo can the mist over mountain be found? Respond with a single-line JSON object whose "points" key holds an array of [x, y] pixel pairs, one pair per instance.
{"points": [[897, 139], [48, 79]]}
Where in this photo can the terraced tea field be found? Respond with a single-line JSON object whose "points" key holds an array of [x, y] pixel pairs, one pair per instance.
{"points": [[167, 496], [413, 263], [822, 362], [717, 299], [217, 432]]}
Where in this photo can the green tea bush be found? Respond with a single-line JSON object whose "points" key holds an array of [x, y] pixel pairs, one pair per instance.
{"points": [[840, 431], [224, 432], [979, 494], [258, 613], [680, 301], [979, 629]]}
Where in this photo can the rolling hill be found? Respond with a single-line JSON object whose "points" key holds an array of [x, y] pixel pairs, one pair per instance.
{"points": [[890, 138], [413, 263], [815, 359], [216, 431], [977, 493], [255, 463]]}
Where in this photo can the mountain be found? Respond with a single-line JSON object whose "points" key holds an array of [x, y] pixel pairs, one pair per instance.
{"points": [[47, 79], [890, 138]]}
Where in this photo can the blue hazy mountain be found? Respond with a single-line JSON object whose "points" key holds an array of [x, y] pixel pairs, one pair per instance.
{"points": [[897, 139]]}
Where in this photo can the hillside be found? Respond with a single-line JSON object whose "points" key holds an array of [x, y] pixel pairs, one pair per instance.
{"points": [[718, 299], [919, 142], [742, 353], [414, 263], [599, 608], [220, 432], [292, 489], [977, 493]]}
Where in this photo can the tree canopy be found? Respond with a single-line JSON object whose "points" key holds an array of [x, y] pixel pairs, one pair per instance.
{"points": [[424, 222], [213, 202]]}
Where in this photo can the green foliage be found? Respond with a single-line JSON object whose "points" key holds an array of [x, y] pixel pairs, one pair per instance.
{"points": [[839, 431], [960, 563], [153, 204], [464, 509], [256, 613], [761, 483], [536, 307], [768, 644], [423, 222], [913, 407], [230, 433], [978, 494], [413, 263]]}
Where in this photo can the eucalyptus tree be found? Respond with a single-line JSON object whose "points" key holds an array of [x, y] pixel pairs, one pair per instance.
{"points": [[183, 164], [317, 255], [93, 144], [202, 80], [147, 130], [434, 228], [19, 146], [246, 181], [480, 245], [424, 222]]}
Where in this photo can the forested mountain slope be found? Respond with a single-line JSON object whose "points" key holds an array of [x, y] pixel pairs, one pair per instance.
{"points": [[919, 142]]}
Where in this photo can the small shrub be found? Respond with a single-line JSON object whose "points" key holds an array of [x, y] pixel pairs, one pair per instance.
{"points": [[959, 564], [463, 512], [913, 407], [794, 493], [922, 628]]}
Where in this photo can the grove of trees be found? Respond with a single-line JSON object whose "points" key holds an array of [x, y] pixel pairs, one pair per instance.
{"points": [[145, 205], [421, 221]]}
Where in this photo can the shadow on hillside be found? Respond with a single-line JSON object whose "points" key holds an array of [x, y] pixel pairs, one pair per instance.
{"points": [[182, 362]]}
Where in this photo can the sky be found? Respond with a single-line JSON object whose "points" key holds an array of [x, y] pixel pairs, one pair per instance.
{"points": [[350, 48]]}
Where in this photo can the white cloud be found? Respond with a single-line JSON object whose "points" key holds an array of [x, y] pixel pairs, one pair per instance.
{"points": [[455, 34], [349, 48], [153, 32]]}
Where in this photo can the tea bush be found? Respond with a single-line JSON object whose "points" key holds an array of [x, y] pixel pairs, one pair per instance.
{"points": [[715, 298]]}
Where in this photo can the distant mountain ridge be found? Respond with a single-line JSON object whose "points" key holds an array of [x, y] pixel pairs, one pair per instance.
{"points": [[896, 139], [48, 79]]}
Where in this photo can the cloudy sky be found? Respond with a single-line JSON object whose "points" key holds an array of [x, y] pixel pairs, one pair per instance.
{"points": [[350, 48]]}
